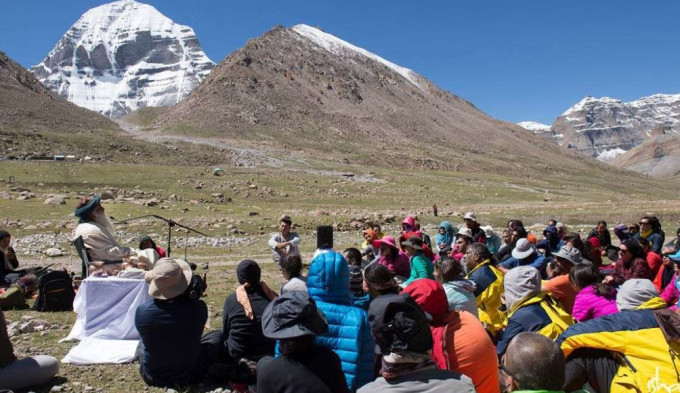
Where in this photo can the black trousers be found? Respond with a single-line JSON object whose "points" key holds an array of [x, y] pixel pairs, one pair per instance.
{"points": [[597, 367]]}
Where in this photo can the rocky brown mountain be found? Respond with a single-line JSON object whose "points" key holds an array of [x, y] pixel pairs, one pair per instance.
{"points": [[304, 92]]}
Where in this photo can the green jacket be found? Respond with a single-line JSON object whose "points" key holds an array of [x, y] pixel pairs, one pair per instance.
{"points": [[421, 267]]}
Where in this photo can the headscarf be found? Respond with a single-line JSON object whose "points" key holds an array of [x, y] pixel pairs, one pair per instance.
{"points": [[84, 211], [248, 273], [447, 237]]}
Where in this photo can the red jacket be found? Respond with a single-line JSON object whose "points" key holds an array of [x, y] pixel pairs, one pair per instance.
{"points": [[461, 343]]}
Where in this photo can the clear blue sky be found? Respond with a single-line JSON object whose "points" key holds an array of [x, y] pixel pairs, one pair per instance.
{"points": [[516, 60]]}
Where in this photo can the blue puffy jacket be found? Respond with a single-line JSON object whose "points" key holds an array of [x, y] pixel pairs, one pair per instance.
{"points": [[349, 334]]}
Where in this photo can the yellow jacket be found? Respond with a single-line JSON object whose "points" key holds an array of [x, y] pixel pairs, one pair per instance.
{"points": [[489, 281]]}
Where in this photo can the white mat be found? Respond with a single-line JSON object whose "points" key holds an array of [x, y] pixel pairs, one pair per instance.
{"points": [[105, 324]]}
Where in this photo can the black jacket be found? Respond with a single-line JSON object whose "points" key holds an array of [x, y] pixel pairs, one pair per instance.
{"points": [[243, 338]]}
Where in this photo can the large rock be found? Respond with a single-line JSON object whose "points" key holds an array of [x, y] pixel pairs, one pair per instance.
{"points": [[54, 200], [53, 252]]}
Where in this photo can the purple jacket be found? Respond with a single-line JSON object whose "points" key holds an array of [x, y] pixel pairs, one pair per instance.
{"points": [[588, 304], [670, 294]]}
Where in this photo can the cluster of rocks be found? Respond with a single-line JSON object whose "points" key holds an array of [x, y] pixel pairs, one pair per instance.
{"points": [[28, 324], [73, 386]]}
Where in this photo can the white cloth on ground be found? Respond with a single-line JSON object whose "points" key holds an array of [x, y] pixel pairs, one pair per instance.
{"points": [[106, 311]]}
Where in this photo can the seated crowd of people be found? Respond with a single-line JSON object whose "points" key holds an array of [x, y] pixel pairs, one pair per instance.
{"points": [[466, 310]]}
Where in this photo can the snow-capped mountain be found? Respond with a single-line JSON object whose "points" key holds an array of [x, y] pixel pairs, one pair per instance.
{"points": [[122, 56], [606, 128], [535, 127]]}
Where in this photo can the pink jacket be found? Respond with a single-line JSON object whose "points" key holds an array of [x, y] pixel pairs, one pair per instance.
{"points": [[670, 294], [401, 266], [588, 304]]}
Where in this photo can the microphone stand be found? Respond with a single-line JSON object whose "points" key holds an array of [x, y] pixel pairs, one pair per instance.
{"points": [[170, 223]]}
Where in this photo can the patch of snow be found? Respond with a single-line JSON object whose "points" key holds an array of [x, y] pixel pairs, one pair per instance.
{"points": [[336, 46], [610, 155], [534, 126]]}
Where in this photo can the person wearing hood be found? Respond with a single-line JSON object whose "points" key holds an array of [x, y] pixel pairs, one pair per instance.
{"points": [[559, 285], [630, 264], [303, 367], [392, 257], [459, 290], [349, 333], [525, 254], [242, 315], [489, 287], [401, 331], [551, 242], [460, 342], [626, 351], [408, 228], [367, 249], [528, 309], [444, 238], [421, 266], [145, 242]]}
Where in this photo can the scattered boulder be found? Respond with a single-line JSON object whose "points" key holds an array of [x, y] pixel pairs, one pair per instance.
{"points": [[53, 252], [106, 195], [253, 214], [54, 200], [152, 202]]}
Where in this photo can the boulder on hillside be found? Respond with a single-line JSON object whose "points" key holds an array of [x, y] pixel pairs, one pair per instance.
{"points": [[54, 200], [53, 252]]}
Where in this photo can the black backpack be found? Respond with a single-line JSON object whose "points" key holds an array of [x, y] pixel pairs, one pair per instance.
{"points": [[55, 292]]}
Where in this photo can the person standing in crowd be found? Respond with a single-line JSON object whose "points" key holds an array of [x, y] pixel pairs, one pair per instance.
{"points": [[489, 287], [392, 257], [349, 334], [401, 331], [304, 366], [460, 342], [242, 315], [528, 309], [630, 264], [170, 328], [284, 244], [22, 374], [594, 298]]}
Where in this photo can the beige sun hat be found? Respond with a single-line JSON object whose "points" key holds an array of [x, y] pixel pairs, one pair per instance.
{"points": [[169, 278]]}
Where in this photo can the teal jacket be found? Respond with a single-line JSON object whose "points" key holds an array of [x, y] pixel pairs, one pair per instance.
{"points": [[421, 267]]}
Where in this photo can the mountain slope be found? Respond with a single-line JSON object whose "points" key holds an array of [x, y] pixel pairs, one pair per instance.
{"points": [[303, 92], [606, 127], [122, 56]]}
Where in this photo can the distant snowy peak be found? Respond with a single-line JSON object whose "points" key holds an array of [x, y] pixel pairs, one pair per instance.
{"points": [[122, 56], [337, 46], [606, 127], [534, 127]]}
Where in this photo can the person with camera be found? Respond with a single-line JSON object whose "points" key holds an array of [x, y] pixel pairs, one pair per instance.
{"points": [[170, 326]]}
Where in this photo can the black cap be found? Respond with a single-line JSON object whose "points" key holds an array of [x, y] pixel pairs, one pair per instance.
{"points": [[293, 314], [324, 237], [399, 324]]}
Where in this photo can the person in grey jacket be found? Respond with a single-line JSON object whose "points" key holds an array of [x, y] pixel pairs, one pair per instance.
{"points": [[401, 331], [285, 243]]}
